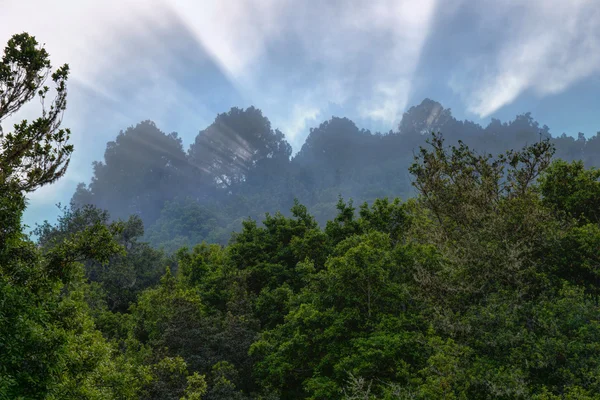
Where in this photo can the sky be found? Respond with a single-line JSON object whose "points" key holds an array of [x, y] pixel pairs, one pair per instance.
{"points": [[180, 62]]}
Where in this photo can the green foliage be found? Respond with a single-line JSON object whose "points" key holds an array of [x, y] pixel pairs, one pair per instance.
{"points": [[484, 286], [37, 152], [50, 348], [183, 223], [344, 224], [168, 379], [236, 143], [48, 345], [122, 275], [572, 189], [444, 297], [385, 216]]}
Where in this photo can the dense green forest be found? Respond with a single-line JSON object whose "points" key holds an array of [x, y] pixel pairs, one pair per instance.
{"points": [[482, 282]]}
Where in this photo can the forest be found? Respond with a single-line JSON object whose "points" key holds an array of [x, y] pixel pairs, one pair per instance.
{"points": [[440, 260]]}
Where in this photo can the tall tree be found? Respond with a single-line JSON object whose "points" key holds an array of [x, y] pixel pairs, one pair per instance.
{"points": [[48, 345], [333, 149], [142, 169], [37, 152], [234, 144]]}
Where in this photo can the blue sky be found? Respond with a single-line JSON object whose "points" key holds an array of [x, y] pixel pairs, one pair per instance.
{"points": [[180, 62]]}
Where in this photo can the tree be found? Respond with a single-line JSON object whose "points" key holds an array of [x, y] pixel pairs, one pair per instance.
{"points": [[37, 152], [48, 347], [570, 188], [427, 117], [49, 344], [142, 169], [353, 317], [124, 276], [333, 149], [184, 222], [234, 144]]}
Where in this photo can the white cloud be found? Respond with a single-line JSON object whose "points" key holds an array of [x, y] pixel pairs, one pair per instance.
{"points": [[547, 46], [387, 101], [297, 122], [363, 48], [234, 32], [77, 32], [357, 54], [370, 50]]}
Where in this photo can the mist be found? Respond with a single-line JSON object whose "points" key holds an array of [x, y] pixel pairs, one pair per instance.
{"points": [[241, 167]]}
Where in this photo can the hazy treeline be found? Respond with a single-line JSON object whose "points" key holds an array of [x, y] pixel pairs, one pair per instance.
{"points": [[241, 167]]}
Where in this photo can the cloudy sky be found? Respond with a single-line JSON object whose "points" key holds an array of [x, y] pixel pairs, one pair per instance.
{"points": [[180, 62]]}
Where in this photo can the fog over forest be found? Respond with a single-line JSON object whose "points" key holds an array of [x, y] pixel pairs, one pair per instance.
{"points": [[299, 200], [241, 167]]}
